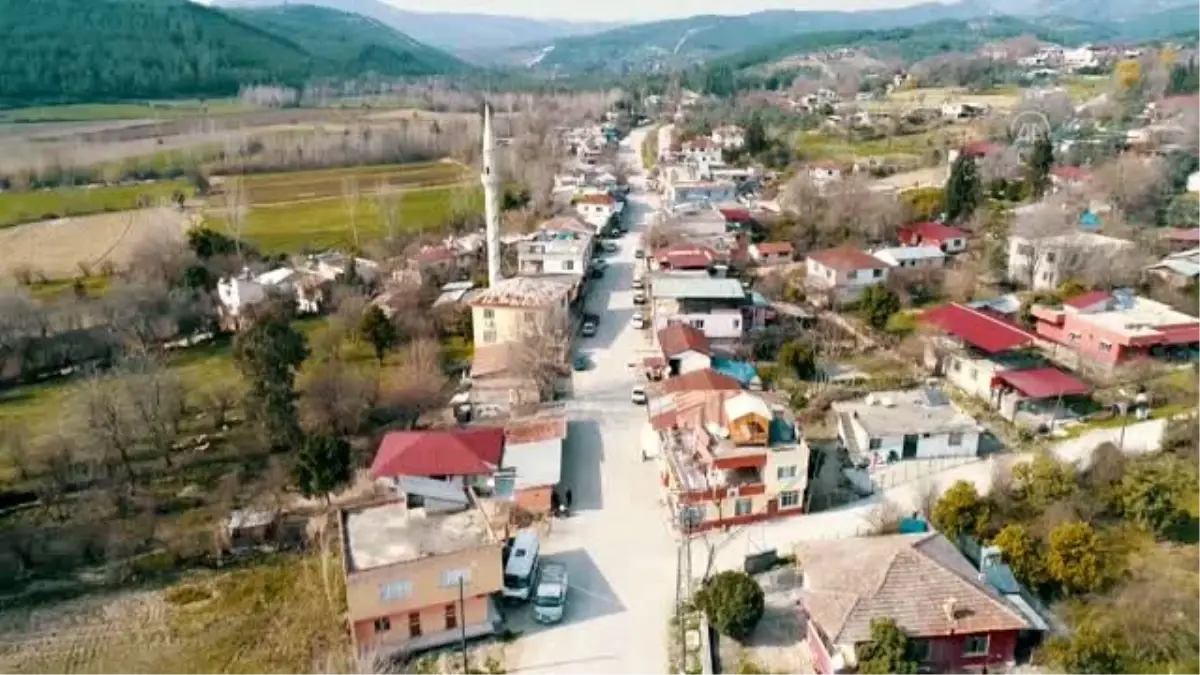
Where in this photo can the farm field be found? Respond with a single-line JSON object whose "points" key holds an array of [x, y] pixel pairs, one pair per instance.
{"points": [[274, 188], [55, 248], [934, 176], [96, 112], [1002, 99], [27, 207], [818, 145]]}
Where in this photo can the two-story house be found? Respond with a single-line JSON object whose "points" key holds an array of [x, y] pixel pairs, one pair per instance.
{"points": [[685, 348], [956, 622], [418, 580], [950, 240], [729, 136], [702, 150], [514, 308], [1045, 263], [686, 257], [556, 248], [912, 257], [727, 457], [1106, 330], [718, 306], [598, 208], [843, 272]]}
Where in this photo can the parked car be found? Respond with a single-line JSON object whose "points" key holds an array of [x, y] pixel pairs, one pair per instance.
{"points": [[638, 395], [609, 246], [596, 273], [639, 321], [639, 283], [590, 323], [581, 362], [550, 600], [639, 297]]}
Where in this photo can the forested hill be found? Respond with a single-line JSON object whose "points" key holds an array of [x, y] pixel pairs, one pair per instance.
{"points": [[57, 51]]}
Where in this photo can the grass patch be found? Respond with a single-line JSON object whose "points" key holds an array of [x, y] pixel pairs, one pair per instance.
{"points": [[186, 595], [277, 188], [25, 207], [902, 323], [814, 145], [324, 224], [1085, 88], [93, 286], [99, 112]]}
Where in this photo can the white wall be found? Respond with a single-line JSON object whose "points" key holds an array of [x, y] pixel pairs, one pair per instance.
{"points": [[935, 446], [717, 325], [850, 284], [690, 361], [973, 376]]}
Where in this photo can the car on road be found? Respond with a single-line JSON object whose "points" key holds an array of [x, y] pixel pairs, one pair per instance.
{"points": [[609, 246], [638, 283], [581, 362], [600, 262], [639, 297], [590, 323], [550, 600], [638, 395], [596, 273], [639, 321]]}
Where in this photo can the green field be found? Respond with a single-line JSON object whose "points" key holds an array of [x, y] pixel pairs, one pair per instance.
{"points": [[26, 207], [815, 145], [275, 188], [99, 112]]}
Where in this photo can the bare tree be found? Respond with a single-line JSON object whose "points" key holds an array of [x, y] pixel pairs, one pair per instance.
{"points": [[107, 417], [415, 385], [161, 260], [1132, 184], [219, 400], [350, 196], [156, 400], [542, 355], [390, 203], [338, 397]]}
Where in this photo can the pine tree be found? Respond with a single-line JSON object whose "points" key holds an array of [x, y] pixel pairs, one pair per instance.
{"points": [[962, 190], [268, 354], [322, 466], [756, 136], [376, 329], [1037, 171]]}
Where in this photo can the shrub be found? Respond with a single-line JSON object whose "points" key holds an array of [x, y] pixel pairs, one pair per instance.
{"points": [[734, 603], [186, 595]]}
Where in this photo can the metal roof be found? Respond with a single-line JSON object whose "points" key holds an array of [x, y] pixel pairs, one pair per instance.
{"points": [[1043, 382], [979, 329], [535, 464], [672, 287]]}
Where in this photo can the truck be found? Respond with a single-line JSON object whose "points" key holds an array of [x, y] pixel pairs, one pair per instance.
{"points": [[550, 600]]}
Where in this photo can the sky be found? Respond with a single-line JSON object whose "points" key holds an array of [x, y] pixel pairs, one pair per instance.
{"points": [[635, 10]]}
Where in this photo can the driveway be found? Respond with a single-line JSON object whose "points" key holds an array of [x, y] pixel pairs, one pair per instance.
{"points": [[619, 551]]}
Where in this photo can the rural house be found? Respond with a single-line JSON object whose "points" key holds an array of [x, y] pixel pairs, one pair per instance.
{"points": [[912, 257], [950, 240], [771, 253], [685, 348], [520, 306], [843, 272]]}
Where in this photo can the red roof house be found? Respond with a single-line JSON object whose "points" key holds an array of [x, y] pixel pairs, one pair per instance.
{"points": [[680, 338], [441, 452], [771, 252], [986, 332], [844, 272], [981, 149], [740, 216], [686, 257], [949, 239]]}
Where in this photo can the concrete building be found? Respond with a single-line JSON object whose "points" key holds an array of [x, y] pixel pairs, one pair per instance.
{"points": [[955, 621], [893, 426], [912, 257], [729, 136], [555, 249], [1109, 329], [533, 455], [701, 150], [417, 580], [719, 307], [685, 348], [843, 272], [950, 240], [514, 308], [1178, 269], [771, 253], [1044, 263], [727, 456], [598, 208]]}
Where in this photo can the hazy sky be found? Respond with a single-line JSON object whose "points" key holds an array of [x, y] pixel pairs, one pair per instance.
{"points": [[635, 10]]}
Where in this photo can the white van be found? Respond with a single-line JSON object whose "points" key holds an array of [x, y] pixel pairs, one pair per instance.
{"points": [[521, 568]]}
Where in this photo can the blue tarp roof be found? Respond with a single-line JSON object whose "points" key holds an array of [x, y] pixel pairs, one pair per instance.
{"points": [[1089, 220], [743, 372]]}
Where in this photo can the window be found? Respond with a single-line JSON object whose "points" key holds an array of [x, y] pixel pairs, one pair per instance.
{"points": [[955, 439], [784, 472], [489, 337], [451, 616], [958, 366], [414, 624], [489, 313], [789, 499], [450, 577], [395, 590], [1105, 346], [922, 650], [875, 444], [1050, 257], [879, 273], [383, 625], [741, 507], [737, 323], [1025, 250], [696, 323], [975, 645], [569, 265]]}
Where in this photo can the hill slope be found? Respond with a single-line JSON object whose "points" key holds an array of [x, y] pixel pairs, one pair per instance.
{"points": [[458, 33], [55, 51], [349, 44]]}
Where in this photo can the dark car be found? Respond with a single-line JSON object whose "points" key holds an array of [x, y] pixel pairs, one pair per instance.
{"points": [[581, 362]]}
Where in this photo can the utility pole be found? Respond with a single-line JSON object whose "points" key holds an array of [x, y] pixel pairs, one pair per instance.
{"points": [[462, 623]]}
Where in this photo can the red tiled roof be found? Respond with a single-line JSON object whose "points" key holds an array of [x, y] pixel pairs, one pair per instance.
{"points": [[1071, 173], [847, 258], [736, 215], [596, 198], [701, 143], [1043, 382], [982, 330], [1184, 234], [680, 337], [775, 248], [1087, 299], [930, 231], [456, 452], [705, 379], [536, 429], [686, 257]]}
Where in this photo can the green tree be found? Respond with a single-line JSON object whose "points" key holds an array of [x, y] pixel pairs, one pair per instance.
{"points": [[268, 354], [378, 331], [1024, 555], [960, 511], [755, 138], [1153, 493], [1076, 558], [1037, 171], [877, 304], [1087, 650], [888, 650], [800, 358], [322, 466], [733, 601], [1044, 481], [962, 189]]}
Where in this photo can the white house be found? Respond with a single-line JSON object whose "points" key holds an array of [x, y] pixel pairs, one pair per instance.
{"points": [[713, 305], [597, 208], [892, 426], [844, 272], [555, 249], [702, 150], [823, 173], [1044, 263], [771, 252], [685, 348], [236, 294], [1082, 57], [1193, 182], [912, 257], [729, 136]]}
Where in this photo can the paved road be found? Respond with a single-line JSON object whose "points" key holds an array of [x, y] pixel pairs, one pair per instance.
{"points": [[620, 554]]}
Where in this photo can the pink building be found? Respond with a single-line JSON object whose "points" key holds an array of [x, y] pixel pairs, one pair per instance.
{"points": [[1112, 328]]}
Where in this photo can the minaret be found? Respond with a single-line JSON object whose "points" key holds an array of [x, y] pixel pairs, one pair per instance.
{"points": [[491, 197]]}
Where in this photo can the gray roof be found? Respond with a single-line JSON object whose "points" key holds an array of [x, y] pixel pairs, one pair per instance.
{"points": [[677, 287], [915, 411], [391, 533], [535, 464]]}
